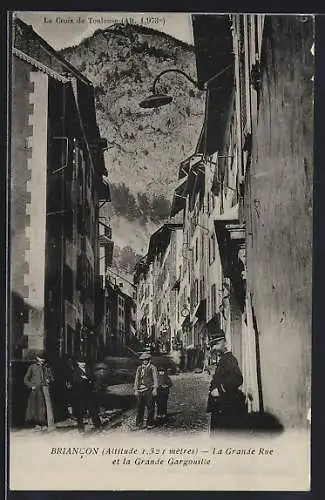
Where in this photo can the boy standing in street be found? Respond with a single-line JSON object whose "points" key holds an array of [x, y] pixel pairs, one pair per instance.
{"points": [[164, 385], [145, 389]]}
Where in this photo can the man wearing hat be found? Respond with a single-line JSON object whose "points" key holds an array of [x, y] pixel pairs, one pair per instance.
{"points": [[39, 378], [83, 392], [145, 389], [226, 402]]}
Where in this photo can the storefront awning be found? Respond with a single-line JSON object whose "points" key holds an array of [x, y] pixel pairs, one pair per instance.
{"points": [[184, 168], [201, 310], [213, 45], [196, 184], [218, 104], [215, 70], [179, 198], [214, 324], [159, 241]]}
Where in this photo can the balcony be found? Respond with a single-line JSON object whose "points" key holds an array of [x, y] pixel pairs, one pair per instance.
{"points": [[105, 240], [103, 189]]}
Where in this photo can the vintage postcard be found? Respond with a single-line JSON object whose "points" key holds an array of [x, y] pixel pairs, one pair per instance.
{"points": [[160, 243]]}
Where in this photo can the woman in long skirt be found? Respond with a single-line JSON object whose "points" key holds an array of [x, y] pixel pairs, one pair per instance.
{"points": [[38, 378]]}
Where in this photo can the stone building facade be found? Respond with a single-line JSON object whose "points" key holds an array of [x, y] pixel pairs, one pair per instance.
{"points": [[57, 181], [244, 262]]}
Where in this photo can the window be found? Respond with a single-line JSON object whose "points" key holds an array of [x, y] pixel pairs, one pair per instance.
{"points": [[108, 232], [68, 224], [196, 249], [88, 277], [213, 299], [202, 288], [80, 164], [26, 314], [212, 249], [256, 34], [79, 274], [68, 283], [120, 304], [202, 245], [87, 220], [70, 341], [108, 255], [80, 221], [196, 291]]}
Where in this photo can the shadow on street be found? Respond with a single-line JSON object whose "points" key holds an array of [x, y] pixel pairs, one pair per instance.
{"points": [[110, 401]]}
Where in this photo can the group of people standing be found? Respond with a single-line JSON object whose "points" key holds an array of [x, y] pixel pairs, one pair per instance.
{"points": [[80, 385], [226, 402], [192, 358]]}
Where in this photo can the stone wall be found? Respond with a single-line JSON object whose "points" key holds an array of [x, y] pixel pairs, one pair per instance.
{"points": [[279, 215]]}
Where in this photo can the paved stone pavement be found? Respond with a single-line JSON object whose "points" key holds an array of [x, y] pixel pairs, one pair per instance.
{"points": [[186, 409], [186, 406]]}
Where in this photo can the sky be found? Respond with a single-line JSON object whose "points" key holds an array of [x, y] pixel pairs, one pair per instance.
{"points": [[62, 29]]}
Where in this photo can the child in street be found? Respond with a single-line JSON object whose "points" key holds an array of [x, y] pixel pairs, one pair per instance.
{"points": [[164, 385]]}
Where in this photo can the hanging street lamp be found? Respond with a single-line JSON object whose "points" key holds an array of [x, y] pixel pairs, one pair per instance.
{"points": [[155, 99]]}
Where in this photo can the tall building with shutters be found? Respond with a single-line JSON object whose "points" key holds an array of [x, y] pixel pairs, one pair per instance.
{"points": [[261, 142], [58, 182], [245, 202]]}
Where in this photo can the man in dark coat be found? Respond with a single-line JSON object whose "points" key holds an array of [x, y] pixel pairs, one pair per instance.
{"points": [[38, 379], [83, 394], [226, 402]]}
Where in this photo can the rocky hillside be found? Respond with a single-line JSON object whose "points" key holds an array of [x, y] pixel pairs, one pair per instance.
{"points": [[145, 146]]}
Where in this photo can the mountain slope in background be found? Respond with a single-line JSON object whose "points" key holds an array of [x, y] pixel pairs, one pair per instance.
{"points": [[145, 145]]}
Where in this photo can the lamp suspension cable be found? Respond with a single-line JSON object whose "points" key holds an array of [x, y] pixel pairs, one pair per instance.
{"points": [[173, 70]]}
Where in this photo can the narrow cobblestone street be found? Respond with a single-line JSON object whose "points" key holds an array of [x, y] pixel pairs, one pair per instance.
{"points": [[186, 409], [186, 406]]}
